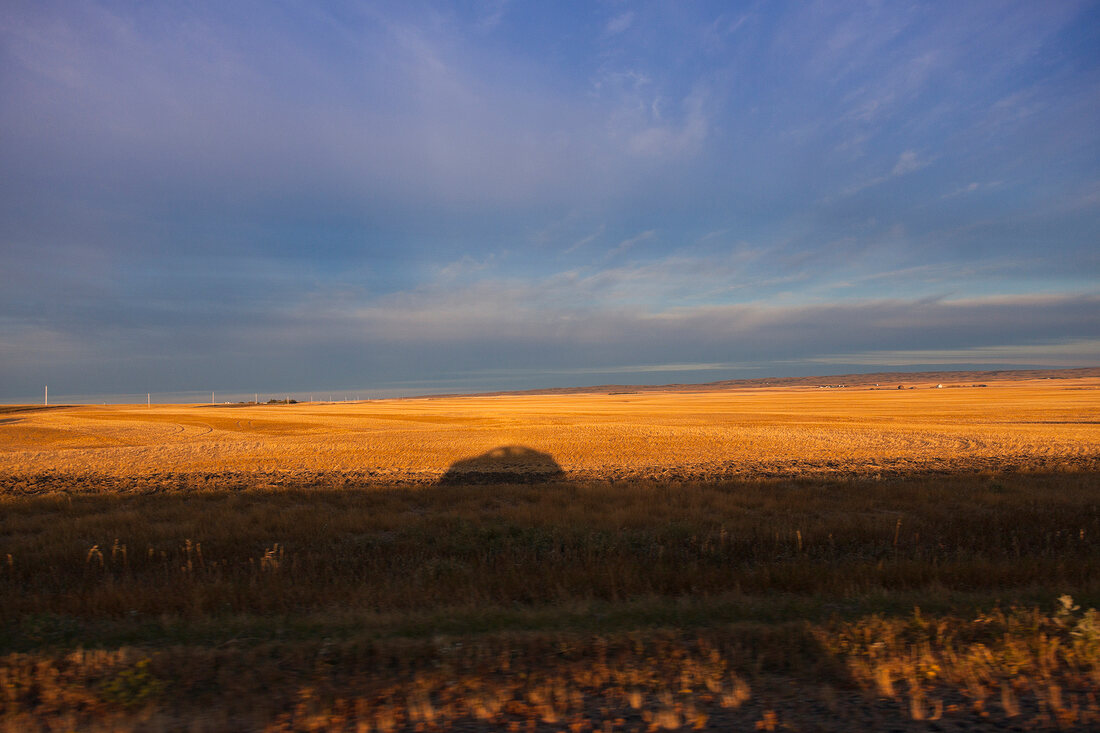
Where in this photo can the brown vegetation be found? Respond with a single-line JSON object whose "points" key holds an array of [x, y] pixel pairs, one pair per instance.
{"points": [[172, 568]]}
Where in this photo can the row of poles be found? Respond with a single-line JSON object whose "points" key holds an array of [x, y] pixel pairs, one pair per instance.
{"points": [[149, 398]]}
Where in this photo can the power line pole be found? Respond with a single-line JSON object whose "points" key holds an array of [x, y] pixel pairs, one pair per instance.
{"points": [[148, 399], [212, 398], [46, 396]]}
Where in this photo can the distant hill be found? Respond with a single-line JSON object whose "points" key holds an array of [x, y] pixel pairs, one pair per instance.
{"points": [[882, 379]]}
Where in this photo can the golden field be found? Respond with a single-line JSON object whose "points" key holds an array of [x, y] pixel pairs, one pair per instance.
{"points": [[751, 559], [1029, 425]]}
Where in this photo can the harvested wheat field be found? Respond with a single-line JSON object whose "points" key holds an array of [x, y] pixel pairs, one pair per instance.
{"points": [[1029, 425], [767, 558]]}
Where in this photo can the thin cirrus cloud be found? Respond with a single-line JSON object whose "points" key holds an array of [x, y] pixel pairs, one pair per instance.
{"points": [[291, 196]]}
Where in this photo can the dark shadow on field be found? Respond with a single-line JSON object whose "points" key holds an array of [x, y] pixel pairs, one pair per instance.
{"points": [[506, 464]]}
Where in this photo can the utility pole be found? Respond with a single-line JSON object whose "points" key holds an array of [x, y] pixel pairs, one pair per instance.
{"points": [[46, 396], [148, 399], [212, 398], [256, 398]]}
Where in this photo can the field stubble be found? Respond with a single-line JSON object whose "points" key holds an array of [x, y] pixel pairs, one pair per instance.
{"points": [[1043, 425]]}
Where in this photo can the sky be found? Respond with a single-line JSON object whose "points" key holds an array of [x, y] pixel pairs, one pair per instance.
{"points": [[411, 197]]}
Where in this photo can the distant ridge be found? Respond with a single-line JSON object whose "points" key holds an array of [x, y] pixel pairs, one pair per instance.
{"points": [[883, 379]]}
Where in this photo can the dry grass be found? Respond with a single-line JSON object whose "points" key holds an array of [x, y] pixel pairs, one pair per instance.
{"points": [[263, 551], [411, 609], [299, 568], [1005, 670]]}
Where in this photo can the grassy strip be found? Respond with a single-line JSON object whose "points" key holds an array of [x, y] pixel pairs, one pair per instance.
{"points": [[46, 631]]}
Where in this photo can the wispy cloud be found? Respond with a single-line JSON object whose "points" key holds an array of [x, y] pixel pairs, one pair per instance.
{"points": [[620, 23], [491, 13], [630, 243], [465, 267], [677, 138], [1071, 353], [963, 190], [584, 241], [907, 163]]}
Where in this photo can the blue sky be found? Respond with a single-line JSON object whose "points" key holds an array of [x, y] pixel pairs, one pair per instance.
{"points": [[407, 197]]}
